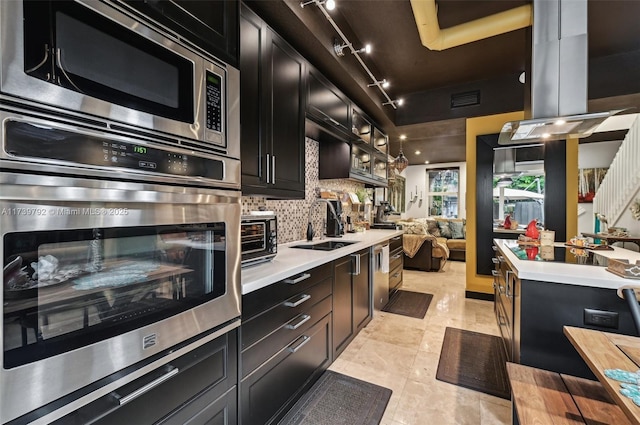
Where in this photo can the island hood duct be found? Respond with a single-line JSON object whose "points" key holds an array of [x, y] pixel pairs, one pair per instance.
{"points": [[559, 67]]}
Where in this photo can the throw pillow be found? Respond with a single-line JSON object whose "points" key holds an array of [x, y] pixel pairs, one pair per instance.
{"points": [[445, 230], [432, 228], [457, 231]]}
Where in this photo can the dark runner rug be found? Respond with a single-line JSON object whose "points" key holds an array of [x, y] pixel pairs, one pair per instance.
{"points": [[339, 399], [408, 303], [474, 360]]}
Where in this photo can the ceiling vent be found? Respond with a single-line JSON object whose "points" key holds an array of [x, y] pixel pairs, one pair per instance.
{"points": [[470, 98]]}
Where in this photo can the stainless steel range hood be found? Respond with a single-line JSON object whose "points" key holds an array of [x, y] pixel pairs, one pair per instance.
{"points": [[559, 66]]}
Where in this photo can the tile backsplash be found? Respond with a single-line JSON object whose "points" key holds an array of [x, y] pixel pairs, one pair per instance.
{"points": [[293, 214]]}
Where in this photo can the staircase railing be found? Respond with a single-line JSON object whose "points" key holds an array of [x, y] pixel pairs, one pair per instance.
{"points": [[620, 184]]}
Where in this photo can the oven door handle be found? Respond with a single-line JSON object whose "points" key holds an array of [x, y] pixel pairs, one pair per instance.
{"points": [[146, 388]]}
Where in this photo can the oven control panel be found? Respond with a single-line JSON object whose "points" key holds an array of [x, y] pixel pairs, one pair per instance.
{"points": [[26, 140]]}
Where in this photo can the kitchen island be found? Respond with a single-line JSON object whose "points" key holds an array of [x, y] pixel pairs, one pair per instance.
{"points": [[536, 297]]}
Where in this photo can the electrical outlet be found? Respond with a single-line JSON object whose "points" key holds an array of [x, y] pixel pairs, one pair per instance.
{"points": [[603, 319]]}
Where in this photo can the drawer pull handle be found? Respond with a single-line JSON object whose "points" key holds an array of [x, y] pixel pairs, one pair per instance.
{"points": [[495, 260], [500, 258], [397, 238], [145, 388], [396, 274], [296, 303], [395, 257], [295, 347], [294, 280], [304, 318], [495, 248], [494, 273]]}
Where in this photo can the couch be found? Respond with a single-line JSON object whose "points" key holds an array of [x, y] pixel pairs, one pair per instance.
{"points": [[429, 242]]}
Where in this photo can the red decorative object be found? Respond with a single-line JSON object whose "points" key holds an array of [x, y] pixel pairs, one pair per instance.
{"points": [[532, 230], [507, 222], [532, 252]]}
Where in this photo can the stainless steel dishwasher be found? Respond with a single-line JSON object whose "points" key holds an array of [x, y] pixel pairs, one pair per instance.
{"points": [[380, 273]]}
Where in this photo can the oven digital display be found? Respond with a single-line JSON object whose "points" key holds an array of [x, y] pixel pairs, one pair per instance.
{"points": [[31, 141]]}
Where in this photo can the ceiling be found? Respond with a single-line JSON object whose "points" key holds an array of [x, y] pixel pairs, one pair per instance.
{"points": [[426, 79]]}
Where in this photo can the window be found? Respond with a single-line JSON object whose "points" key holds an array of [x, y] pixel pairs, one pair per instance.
{"points": [[443, 192], [522, 199]]}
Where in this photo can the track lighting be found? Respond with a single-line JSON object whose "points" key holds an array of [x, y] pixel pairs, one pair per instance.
{"points": [[384, 83], [394, 103], [329, 4], [339, 48]]}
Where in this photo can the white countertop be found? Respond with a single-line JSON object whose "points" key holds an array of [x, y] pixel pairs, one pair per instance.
{"points": [[573, 274], [291, 261]]}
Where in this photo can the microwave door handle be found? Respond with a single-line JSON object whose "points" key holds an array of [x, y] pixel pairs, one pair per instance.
{"points": [[42, 62], [59, 64]]}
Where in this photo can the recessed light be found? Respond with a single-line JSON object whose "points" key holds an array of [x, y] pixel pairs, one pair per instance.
{"points": [[546, 135], [426, 162], [418, 152], [402, 137]]}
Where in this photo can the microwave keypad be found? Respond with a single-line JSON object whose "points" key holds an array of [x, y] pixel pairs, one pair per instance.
{"points": [[214, 101]]}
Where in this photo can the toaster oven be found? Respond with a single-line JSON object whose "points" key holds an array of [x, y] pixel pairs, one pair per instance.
{"points": [[259, 238]]}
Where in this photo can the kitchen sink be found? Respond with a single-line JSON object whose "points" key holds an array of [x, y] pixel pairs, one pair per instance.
{"points": [[325, 246]]}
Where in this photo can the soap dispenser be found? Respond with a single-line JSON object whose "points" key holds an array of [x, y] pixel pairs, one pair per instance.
{"points": [[309, 232]]}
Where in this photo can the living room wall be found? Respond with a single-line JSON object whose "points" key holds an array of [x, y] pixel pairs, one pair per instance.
{"points": [[416, 182]]}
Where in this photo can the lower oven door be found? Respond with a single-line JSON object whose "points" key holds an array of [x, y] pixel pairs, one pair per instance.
{"points": [[100, 276]]}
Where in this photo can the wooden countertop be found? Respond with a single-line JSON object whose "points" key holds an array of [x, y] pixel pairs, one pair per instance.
{"points": [[603, 350], [544, 397]]}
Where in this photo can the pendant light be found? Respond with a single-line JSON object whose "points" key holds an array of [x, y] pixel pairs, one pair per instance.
{"points": [[401, 162]]}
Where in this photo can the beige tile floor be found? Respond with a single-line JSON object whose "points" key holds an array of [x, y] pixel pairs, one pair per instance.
{"points": [[401, 353]]}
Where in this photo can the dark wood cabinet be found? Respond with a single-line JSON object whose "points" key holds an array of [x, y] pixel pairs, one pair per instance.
{"points": [[286, 343], [362, 308], [396, 264], [272, 111], [210, 25], [326, 104], [356, 161], [351, 298]]}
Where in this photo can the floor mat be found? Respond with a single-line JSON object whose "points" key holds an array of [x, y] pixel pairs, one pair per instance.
{"points": [[474, 360], [408, 303], [339, 399]]}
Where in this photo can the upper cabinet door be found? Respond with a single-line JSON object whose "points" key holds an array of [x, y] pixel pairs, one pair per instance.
{"points": [[380, 141], [211, 25], [252, 105], [326, 103], [272, 112], [360, 126]]}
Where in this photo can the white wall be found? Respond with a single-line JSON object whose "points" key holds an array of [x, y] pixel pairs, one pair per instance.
{"points": [[593, 155], [416, 179]]}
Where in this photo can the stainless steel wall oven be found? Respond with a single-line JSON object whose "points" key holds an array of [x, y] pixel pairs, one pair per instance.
{"points": [[119, 204], [99, 276]]}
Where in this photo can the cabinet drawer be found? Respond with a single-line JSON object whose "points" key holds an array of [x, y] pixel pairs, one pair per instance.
{"points": [[274, 387], [259, 352], [395, 243], [261, 325], [396, 258], [395, 278], [200, 377], [265, 298]]}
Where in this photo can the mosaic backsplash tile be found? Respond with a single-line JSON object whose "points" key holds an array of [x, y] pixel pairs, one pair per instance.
{"points": [[293, 214]]}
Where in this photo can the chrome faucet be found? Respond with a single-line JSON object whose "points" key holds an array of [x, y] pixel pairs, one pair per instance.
{"points": [[315, 202]]}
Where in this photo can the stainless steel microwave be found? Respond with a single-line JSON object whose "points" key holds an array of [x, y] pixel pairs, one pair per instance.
{"points": [[93, 59]]}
